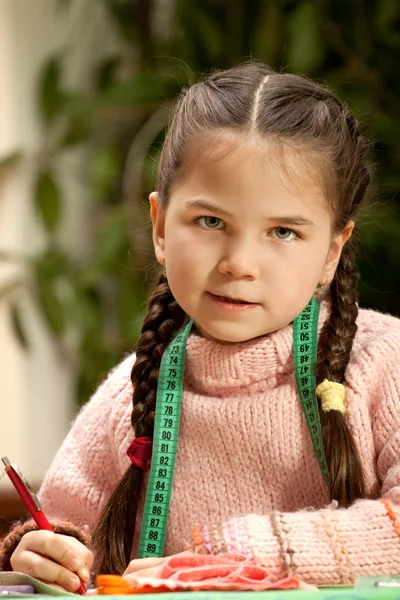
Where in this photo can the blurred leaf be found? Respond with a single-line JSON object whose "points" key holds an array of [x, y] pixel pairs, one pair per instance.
{"points": [[51, 268], [51, 97], [387, 15], [111, 237], [52, 308], [105, 74], [149, 175], [81, 106], [207, 30], [47, 200], [306, 47], [122, 12], [104, 171], [51, 265], [139, 90], [87, 313], [92, 274], [268, 36], [18, 325], [77, 132], [131, 297]]}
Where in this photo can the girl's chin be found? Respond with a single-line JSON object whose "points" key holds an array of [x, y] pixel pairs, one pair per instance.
{"points": [[214, 334]]}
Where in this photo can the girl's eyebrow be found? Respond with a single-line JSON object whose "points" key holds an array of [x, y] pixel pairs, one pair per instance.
{"points": [[292, 220], [206, 206], [288, 219]]}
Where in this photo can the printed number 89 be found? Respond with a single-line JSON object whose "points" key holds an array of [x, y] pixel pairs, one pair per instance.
{"points": [[151, 548]]}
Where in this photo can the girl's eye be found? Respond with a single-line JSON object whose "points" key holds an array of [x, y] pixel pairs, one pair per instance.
{"points": [[284, 234], [210, 222]]}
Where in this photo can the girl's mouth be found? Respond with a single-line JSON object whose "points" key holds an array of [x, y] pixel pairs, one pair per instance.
{"points": [[231, 304]]}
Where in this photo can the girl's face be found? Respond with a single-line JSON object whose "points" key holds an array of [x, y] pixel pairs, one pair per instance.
{"points": [[237, 227]]}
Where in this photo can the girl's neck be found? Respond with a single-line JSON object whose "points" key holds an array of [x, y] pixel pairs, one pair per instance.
{"points": [[218, 369]]}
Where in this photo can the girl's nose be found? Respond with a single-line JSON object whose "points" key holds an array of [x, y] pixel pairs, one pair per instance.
{"points": [[241, 260]]}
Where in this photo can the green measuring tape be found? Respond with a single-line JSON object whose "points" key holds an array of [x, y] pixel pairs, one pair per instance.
{"points": [[165, 442], [305, 346], [168, 412]]}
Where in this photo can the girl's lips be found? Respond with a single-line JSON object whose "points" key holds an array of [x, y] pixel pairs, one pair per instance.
{"points": [[226, 304]]}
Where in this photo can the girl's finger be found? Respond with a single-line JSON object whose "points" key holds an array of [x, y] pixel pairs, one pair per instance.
{"points": [[85, 557], [45, 569], [62, 549]]}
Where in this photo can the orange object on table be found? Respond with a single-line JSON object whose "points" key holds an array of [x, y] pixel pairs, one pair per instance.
{"points": [[112, 585], [115, 585]]}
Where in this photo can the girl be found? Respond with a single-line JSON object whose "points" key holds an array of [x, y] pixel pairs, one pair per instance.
{"points": [[261, 178]]}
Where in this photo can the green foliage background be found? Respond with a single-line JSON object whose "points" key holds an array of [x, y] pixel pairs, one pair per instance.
{"points": [[352, 45]]}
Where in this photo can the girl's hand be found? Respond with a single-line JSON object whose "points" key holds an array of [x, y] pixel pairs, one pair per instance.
{"points": [[147, 567], [53, 558]]}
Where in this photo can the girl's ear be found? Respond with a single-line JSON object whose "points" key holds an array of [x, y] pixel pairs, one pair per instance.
{"points": [[335, 252], [157, 215]]}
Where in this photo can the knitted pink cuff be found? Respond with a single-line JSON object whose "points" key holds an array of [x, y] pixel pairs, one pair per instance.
{"points": [[329, 546], [12, 539], [234, 537]]}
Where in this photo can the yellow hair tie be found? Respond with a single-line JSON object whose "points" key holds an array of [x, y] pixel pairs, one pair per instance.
{"points": [[332, 396]]}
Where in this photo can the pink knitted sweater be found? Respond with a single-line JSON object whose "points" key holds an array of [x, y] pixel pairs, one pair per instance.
{"points": [[245, 465]]}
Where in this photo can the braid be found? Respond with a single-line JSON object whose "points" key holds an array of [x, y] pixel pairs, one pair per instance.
{"points": [[346, 475], [164, 318], [114, 533]]}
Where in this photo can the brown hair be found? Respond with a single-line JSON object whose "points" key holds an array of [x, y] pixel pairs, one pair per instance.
{"points": [[296, 113]]}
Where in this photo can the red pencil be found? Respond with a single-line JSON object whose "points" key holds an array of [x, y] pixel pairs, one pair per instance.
{"points": [[31, 501]]}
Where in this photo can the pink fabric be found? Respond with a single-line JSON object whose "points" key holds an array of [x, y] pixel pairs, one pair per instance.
{"points": [[245, 464], [223, 572]]}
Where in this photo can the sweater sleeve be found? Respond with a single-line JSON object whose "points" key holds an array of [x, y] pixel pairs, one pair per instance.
{"points": [[88, 465], [332, 546]]}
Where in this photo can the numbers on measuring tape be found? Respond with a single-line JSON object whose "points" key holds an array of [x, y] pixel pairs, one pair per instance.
{"points": [[305, 333], [168, 408]]}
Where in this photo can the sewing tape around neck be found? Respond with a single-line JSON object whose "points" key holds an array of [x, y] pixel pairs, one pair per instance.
{"points": [[167, 419]]}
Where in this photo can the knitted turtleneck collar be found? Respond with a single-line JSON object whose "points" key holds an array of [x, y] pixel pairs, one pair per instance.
{"points": [[261, 363]]}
